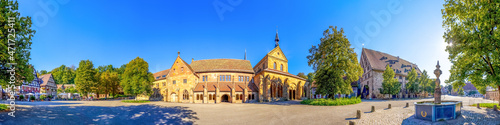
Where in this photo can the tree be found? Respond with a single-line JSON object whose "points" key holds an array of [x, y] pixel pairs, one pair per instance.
{"points": [[108, 79], [137, 79], [424, 83], [302, 75], [390, 85], [15, 44], [412, 85], [63, 75], [43, 72], [473, 36], [310, 77], [335, 63], [84, 80]]}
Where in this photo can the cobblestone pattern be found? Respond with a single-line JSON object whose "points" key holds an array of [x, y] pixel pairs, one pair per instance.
{"points": [[405, 116]]}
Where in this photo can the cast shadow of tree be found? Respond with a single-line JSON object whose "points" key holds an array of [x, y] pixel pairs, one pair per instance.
{"points": [[121, 115], [467, 117]]}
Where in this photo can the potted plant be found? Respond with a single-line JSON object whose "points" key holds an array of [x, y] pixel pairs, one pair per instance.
{"points": [[32, 98], [49, 97], [21, 97], [43, 97]]}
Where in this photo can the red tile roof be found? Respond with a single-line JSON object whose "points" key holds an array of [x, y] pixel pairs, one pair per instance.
{"points": [[378, 60], [210, 65], [161, 74], [224, 87], [284, 73]]}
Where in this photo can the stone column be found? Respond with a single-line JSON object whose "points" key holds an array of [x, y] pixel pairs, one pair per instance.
{"points": [[437, 90]]}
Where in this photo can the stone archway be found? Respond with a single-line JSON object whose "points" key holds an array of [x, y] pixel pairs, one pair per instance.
{"points": [[225, 98]]}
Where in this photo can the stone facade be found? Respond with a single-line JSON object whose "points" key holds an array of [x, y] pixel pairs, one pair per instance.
{"points": [[274, 81], [373, 64]]}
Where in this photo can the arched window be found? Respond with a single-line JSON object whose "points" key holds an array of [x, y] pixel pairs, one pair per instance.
{"points": [[274, 65], [281, 67], [185, 95]]}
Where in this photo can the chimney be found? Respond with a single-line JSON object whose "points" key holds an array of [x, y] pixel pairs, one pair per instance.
{"points": [[398, 58]]}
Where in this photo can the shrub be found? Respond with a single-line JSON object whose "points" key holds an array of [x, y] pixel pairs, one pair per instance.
{"points": [[21, 97], [3, 107], [487, 105], [32, 97], [43, 97], [135, 101], [50, 96], [332, 102]]}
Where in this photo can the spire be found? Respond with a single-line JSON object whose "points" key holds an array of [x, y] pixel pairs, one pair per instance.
{"points": [[245, 54], [178, 53], [277, 39]]}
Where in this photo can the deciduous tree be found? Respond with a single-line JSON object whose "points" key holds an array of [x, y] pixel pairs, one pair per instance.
{"points": [[15, 44], [136, 79], [335, 63], [390, 85], [85, 77], [473, 36], [412, 85]]}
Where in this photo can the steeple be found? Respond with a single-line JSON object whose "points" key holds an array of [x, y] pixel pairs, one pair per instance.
{"points": [[277, 39], [245, 54]]}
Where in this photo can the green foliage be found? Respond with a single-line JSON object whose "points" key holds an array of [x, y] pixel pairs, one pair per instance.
{"points": [[70, 90], [108, 79], [310, 77], [135, 101], [21, 29], [43, 97], [472, 92], [460, 91], [84, 80], [487, 105], [43, 72], [137, 79], [64, 75], [49, 96], [473, 37], [390, 85], [412, 85], [21, 97], [3, 107], [332, 102], [302, 75], [32, 97], [332, 60]]}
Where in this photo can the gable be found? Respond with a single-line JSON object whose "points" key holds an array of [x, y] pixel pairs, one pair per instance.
{"points": [[278, 53], [180, 67]]}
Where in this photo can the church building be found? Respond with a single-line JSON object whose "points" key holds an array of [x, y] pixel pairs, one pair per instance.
{"points": [[228, 80]]}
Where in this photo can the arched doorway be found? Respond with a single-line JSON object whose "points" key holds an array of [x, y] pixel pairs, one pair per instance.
{"points": [[225, 98], [173, 97]]}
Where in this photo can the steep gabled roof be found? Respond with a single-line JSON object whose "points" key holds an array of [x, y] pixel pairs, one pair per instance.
{"points": [[378, 60], [160, 74], [232, 65], [45, 79]]}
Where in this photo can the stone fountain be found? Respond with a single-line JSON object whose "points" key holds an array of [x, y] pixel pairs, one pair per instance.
{"points": [[437, 110]]}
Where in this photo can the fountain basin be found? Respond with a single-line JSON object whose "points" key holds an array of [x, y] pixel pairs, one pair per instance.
{"points": [[428, 110]]}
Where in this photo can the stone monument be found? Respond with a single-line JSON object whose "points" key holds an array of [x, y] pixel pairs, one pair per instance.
{"points": [[437, 90]]}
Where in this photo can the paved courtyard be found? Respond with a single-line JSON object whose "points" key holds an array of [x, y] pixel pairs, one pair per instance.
{"points": [[291, 112]]}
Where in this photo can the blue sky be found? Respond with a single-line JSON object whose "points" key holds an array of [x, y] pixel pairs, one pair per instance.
{"points": [[112, 32]]}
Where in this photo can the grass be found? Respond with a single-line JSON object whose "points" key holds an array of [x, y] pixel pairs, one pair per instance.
{"points": [[487, 105], [135, 101], [331, 102], [3, 107]]}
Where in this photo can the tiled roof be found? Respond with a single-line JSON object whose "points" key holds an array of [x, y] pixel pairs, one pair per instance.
{"points": [[210, 65], [161, 74], [378, 60], [284, 73], [45, 78], [469, 86]]}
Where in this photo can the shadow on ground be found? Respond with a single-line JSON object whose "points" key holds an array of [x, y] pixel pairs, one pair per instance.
{"points": [[122, 115], [467, 117]]}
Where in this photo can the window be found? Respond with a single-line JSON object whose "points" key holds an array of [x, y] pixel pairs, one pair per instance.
{"points": [[249, 97], [164, 84], [248, 78], [209, 96], [182, 69], [281, 67], [173, 82], [157, 77], [228, 78], [205, 78], [185, 95], [400, 77], [185, 80], [253, 96], [241, 96], [237, 96], [239, 78], [220, 77], [274, 66]]}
